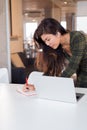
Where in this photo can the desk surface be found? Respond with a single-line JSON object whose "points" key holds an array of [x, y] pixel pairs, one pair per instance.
{"points": [[20, 112]]}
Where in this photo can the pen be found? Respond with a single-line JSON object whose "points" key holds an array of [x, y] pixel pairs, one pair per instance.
{"points": [[27, 81], [29, 87]]}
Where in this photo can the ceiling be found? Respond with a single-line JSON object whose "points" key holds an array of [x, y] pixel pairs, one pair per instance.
{"points": [[33, 6], [38, 4]]}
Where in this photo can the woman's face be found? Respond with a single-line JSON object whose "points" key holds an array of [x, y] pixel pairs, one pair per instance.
{"points": [[51, 40]]}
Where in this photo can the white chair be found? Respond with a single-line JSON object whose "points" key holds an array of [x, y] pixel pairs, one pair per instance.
{"points": [[4, 75]]}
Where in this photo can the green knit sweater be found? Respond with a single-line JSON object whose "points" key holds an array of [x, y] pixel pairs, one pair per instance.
{"points": [[78, 60]]}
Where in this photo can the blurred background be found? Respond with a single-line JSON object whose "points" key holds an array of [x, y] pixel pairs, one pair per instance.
{"points": [[20, 18]]}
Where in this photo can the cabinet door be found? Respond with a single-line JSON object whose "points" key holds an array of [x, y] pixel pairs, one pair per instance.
{"points": [[16, 25]]}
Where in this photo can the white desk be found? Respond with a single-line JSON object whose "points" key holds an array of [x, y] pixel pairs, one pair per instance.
{"points": [[20, 112]]}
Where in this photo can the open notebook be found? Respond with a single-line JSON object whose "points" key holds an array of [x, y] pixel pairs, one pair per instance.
{"points": [[54, 88]]}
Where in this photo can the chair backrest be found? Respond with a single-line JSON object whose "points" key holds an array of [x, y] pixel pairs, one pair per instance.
{"points": [[4, 75]]}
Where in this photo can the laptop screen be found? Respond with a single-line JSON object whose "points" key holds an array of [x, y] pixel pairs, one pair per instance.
{"points": [[54, 88]]}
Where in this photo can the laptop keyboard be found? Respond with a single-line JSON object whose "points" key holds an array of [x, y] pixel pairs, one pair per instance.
{"points": [[79, 95]]}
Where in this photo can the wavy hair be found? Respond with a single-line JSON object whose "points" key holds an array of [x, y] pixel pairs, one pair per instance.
{"points": [[50, 63]]}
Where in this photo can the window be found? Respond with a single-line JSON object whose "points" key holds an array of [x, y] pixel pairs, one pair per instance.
{"points": [[29, 28], [63, 23], [29, 46], [81, 24]]}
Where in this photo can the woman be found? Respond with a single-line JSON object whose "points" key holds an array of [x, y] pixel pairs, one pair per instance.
{"points": [[50, 34]]}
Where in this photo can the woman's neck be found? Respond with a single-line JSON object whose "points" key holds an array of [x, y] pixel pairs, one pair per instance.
{"points": [[65, 39], [65, 42]]}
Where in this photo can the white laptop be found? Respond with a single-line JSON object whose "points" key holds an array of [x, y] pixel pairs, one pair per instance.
{"points": [[54, 88]]}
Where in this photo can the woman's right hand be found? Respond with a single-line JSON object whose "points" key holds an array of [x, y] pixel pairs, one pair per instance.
{"points": [[28, 87]]}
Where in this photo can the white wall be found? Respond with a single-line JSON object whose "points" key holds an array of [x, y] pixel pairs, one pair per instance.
{"points": [[4, 36], [81, 8]]}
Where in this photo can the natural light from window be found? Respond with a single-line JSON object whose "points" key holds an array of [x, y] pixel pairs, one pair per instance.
{"points": [[29, 28], [81, 24], [63, 23]]}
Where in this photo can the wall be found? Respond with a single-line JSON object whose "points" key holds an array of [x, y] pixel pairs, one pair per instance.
{"points": [[16, 26], [4, 36], [56, 13], [81, 8]]}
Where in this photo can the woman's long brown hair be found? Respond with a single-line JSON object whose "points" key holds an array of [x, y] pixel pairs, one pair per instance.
{"points": [[50, 62]]}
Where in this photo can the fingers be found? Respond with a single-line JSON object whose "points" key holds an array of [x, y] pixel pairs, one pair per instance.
{"points": [[28, 87], [31, 87], [25, 88]]}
